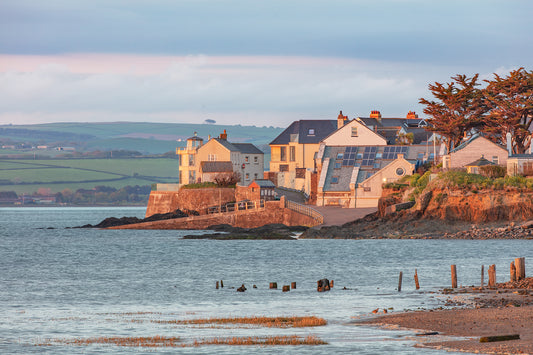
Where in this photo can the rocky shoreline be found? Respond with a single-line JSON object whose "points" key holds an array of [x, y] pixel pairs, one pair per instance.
{"points": [[476, 313]]}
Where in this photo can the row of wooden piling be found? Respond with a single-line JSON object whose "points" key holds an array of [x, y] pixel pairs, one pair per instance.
{"points": [[322, 285], [517, 271]]}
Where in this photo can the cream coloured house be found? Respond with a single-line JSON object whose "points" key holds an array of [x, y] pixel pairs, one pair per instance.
{"points": [[203, 162], [473, 149]]}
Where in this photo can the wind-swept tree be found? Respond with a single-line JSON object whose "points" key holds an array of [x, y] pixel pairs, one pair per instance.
{"points": [[458, 108], [510, 100]]}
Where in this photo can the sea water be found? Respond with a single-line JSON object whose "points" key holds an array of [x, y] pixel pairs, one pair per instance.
{"points": [[59, 284]]}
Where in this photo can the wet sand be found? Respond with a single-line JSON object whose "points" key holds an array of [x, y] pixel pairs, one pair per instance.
{"points": [[502, 312]]}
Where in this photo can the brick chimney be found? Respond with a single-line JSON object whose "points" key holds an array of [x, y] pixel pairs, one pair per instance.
{"points": [[411, 115], [376, 114], [224, 135], [341, 120]]}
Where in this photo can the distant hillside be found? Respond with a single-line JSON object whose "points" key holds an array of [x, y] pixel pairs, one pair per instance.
{"points": [[144, 137]]}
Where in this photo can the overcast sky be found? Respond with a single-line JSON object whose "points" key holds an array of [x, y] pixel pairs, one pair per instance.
{"points": [[249, 62]]}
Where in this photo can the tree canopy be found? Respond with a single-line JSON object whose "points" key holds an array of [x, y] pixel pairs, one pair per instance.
{"points": [[510, 101], [458, 108], [504, 106]]}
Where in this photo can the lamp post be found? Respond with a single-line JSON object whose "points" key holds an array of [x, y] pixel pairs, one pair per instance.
{"points": [[242, 167]]}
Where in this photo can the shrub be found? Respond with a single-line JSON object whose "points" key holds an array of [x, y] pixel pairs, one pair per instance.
{"points": [[493, 171], [200, 185]]}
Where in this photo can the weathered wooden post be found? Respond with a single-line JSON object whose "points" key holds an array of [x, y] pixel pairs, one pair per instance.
{"points": [[221, 283], [454, 276], [331, 282], [217, 285], [285, 288], [520, 264], [492, 275], [273, 285], [293, 285], [482, 275], [400, 282], [417, 285], [512, 272]]}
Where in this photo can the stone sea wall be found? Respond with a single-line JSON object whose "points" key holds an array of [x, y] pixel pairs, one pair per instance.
{"points": [[188, 199]]}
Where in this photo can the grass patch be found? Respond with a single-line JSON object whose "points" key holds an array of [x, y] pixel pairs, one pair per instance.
{"points": [[274, 322], [264, 341], [164, 341]]}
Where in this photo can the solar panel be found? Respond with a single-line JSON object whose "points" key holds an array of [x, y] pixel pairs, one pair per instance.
{"points": [[391, 152], [369, 155], [349, 156]]}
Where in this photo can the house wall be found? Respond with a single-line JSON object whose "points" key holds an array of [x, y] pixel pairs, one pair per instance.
{"points": [[365, 136], [304, 156], [253, 166], [369, 191], [520, 166], [476, 149]]}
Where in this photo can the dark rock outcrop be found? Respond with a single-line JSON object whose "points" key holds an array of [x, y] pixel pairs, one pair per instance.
{"points": [[113, 221], [267, 232]]}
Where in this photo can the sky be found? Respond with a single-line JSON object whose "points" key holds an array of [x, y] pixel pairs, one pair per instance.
{"points": [[248, 62]]}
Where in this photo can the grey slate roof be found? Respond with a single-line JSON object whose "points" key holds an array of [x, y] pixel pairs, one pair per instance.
{"points": [[466, 143], [245, 148], [300, 130], [414, 154], [216, 166], [480, 162], [264, 183]]}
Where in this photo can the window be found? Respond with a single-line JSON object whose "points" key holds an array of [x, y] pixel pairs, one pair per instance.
{"points": [[338, 165], [247, 176], [283, 154], [192, 177], [283, 167], [420, 156], [400, 171], [367, 188], [246, 159], [311, 132], [334, 179], [354, 131], [339, 156], [212, 157], [495, 160], [256, 160], [292, 153], [191, 160], [255, 175]]}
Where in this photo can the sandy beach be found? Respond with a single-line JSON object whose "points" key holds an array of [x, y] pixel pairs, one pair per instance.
{"points": [[501, 311]]}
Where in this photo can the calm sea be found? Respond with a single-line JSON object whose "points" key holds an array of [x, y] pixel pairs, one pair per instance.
{"points": [[59, 284]]}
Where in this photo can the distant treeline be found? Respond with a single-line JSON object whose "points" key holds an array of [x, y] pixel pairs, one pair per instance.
{"points": [[35, 134], [99, 195]]}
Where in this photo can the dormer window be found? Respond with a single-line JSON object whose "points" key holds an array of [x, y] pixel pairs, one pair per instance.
{"points": [[354, 131], [311, 132]]}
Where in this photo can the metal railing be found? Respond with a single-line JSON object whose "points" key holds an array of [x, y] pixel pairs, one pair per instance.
{"points": [[305, 210], [237, 206]]}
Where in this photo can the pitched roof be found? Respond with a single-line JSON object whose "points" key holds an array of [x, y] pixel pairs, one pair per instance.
{"points": [[216, 166], [245, 148], [306, 131], [480, 162], [473, 138], [263, 183]]}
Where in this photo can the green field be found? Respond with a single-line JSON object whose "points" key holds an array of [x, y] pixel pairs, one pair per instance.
{"points": [[27, 176]]}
